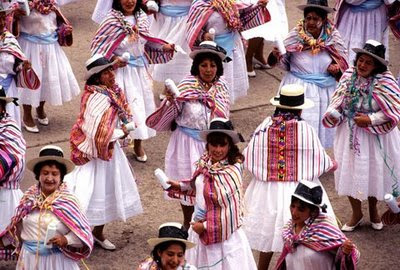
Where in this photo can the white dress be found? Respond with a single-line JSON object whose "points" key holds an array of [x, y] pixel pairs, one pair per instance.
{"points": [[9, 200], [172, 30], [58, 83], [305, 258], [137, 85]]}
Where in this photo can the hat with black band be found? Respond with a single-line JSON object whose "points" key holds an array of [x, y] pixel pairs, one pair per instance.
{"points": [[292, 97]]}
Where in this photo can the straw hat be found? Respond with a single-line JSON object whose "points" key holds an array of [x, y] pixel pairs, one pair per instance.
{"points": [[224, 126], [210, 47], [51, 152], [171, 231], [374, 49], [96, 64], [292, 97]]}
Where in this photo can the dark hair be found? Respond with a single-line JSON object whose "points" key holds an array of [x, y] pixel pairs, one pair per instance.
{"points": [[320, 12], [314, 210], [295, 112], [117, 6], [38, 167], [219, 138], [3, 104], [162, 247], [379, 67], [95, 78], [198, 59]]}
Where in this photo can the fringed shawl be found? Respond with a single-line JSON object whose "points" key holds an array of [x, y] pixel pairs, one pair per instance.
{"points": [[385, 92], [62, 204]]}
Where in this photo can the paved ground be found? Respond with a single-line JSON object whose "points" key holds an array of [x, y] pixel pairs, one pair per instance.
{"points": [[377, 248]]}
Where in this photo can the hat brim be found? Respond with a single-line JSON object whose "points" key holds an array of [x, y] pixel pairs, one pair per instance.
{"points": [[307, 201], [96, 70], [380, 59], [68, 163], [193, 54], [155, 241], [7, 99], [231, 133], [307, 104], [327, 9]]}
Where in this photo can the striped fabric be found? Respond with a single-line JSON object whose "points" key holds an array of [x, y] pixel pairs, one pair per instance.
{"points": [[12, 154], [320, 234], [62, 204], [386, 93], [285, 150]]}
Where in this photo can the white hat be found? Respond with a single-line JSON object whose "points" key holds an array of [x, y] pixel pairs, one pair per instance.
{"points": [[292, 97], [310, 193], [210, 47], [96, 64], [51, 152], [222, 125], [374, 49], [171, 231]]}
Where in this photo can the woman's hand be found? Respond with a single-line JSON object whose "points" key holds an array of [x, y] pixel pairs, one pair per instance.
{"points": [[174, 185], [26, 65], [198, 227], [59, 240], [262, 3], [119, 61], [333, 69], [347, 247], [125, 130], [208, 37], [168, 47], [168, 94], [362, 120], [68, 29], [274, 57]]}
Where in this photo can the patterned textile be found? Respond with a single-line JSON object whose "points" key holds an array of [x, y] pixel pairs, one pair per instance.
{"points": [[385, 92], [320, 234], [62, 204], [43, 6], [101, 108], [12, 154], [115, 28], [285, 149]]}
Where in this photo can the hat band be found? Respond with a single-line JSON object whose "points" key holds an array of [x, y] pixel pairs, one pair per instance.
{"points": [[99, 62], [215, 125], [51, 152], [172, 232], [291, 101], [374, 50]]}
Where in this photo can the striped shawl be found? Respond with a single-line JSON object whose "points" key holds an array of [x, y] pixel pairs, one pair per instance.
{"points": [[386, 93], [62, 204]]}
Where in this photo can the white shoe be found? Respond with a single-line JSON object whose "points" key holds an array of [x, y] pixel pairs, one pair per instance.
{"points": [[251, 74], [347, 228], [44, 121], [377, 226], [258, 64], [33, 129], [106, 244], [142, 159]]}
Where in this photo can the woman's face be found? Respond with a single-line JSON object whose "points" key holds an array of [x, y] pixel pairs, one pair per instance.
{"points": [[128, 6], [107, 77], [365, 65], [208, 70], [172, 257], [313, 24], [49, 179], [299, 213], [218, 152]]}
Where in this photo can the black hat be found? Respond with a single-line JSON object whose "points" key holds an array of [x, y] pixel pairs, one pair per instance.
{"points": [[96, 64], [310, 193], [321, 4], [171, 231], [374, 49], [210, 47], [222, 125], [51, 152]]}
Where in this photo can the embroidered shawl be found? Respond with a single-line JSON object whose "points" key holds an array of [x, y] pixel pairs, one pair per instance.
{"points": [[240, 16], [386, 93], [12, 154], [91, 134], [285, 150], [65, 206], [320, 234], [115, 28]]}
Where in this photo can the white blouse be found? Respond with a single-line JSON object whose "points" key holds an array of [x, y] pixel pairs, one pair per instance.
{"points": [[194, 114], [39, 24], [6, 65]]}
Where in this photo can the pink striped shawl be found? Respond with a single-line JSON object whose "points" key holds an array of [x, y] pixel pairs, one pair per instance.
{"points": [[386, 93], [200, 11], [115, 28], [285, 151], [65, 206], [320, 234], [12, 154]]}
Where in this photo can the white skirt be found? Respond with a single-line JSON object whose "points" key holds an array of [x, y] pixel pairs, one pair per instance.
{"points": [[106, 189], [231, 254], [57, 81], [138, 87], [365, 174], [172, 30], [9, 200], [267, 210]]}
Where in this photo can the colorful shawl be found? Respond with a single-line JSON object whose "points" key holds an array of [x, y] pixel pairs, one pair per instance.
{"points": [[238, 17], [115, 28], [285, 149], [385, 92], [91, 135], [43, 6], [12, 154], [62, 204], [320, 234], [24, 78]]}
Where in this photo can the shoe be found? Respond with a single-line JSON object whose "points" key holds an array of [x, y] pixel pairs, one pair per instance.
{"points": [[251, 74], [347, 228], [33, 129], [43, 121], [142, 159], [258, 64], [377, 226], [106, 244]]}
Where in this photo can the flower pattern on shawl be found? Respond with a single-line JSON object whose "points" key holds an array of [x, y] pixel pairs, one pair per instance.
{"points": [[43, 6]]}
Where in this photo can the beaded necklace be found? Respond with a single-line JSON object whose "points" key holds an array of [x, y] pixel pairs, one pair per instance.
{"points": [[315, 44]]}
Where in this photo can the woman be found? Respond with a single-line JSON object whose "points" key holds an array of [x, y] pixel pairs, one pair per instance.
{"points": [[217, 188], [203, 96], [315, 57], [227, 18], [41, 35], [12, 161], [365, 109], [168, 249], [103, 179], [283, 150], [125, 31], [312, 239], [44, 205]]}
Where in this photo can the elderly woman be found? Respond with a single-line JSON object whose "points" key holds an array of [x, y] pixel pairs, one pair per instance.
{"points": [[227, 18], [315, 57], [168, 249], [365, 108], [125, 32], [283, 150], [203, 95], [312, 239], [45, 206], [103, 180], [217, 188]]}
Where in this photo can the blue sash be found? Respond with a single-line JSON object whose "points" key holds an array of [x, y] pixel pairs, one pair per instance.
{"points": [[226, 41], [174, 11], [320, 79], [193, 133], [32, 247], [41, 39], [366, 5], [137, 61], [6, 83]]}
